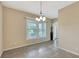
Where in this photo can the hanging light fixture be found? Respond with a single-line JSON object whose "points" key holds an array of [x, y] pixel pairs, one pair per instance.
{"points": [[42, 17]]}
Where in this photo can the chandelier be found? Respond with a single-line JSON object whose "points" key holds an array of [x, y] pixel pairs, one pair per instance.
{"points": [[42, 17]]}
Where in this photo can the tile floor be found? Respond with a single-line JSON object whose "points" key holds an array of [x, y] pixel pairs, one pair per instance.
{"points": [[43, 50]]}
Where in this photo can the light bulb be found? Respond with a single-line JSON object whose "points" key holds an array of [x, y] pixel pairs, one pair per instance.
{"points": [[41, 18], [44, 18], [37, 19]]}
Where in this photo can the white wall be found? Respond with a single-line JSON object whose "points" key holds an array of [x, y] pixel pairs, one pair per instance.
{"points": [[1, 29], [69, 28]]}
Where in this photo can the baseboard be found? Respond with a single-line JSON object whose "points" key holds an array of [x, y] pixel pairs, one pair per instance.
{"points": [[69, 51], [13, 48], [23, 46]]}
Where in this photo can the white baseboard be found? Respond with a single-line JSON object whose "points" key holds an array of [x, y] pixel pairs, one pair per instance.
{"points": [[13, 48], [22, 46], [69, 51]]}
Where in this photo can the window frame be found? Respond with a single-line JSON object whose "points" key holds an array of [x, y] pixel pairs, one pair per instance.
{"points": [[37, 30]]}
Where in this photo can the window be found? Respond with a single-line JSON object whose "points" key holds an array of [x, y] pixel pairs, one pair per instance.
{"points": [[42, 30], [35, 30], [31, 29]]}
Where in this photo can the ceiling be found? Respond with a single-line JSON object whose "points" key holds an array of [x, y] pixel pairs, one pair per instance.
{"points": [[49, 8]]}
